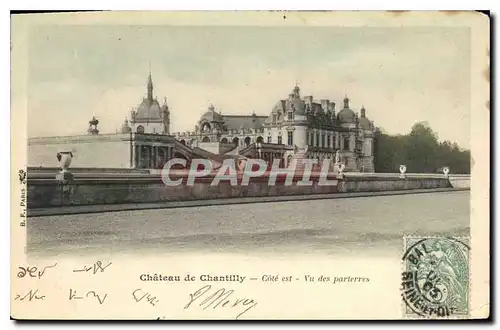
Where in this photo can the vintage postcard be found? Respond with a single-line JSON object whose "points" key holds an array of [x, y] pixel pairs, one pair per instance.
{"points": [[250, 166]]}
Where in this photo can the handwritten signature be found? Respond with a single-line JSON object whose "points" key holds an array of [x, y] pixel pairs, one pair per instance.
{"points": [[32, 271], [140, 295], [91, 293], [219, 299], [31, 295], [96, 267]]}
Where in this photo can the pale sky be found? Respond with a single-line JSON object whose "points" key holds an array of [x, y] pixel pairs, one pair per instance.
{"points": [[400, 75]]}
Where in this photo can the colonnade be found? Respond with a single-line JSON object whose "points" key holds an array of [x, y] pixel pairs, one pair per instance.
{"points": [[151, 156]]}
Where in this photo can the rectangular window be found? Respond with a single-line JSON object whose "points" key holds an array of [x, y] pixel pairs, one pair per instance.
{"points": [[323, 140], [317, 139], [269, 139], [280, 140], [328, 141], [290, 115], [346, 143], [274, 118], [290, 138]]}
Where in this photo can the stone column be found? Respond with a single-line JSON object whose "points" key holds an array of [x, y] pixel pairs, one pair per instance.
{"points": [[134, 156], [152, 159], [157, 156], [162, 154], [139, 156], [150, 155]]}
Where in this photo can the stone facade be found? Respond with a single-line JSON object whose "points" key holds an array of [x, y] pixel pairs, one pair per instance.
{"points": [[294, 124], [93, 150], [130, 150]]}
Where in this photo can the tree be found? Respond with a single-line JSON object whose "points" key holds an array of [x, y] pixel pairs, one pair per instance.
{"points": [[420, 151]]}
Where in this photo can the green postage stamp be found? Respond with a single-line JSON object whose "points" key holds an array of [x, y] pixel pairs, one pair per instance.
{"points": [[435, 278]]}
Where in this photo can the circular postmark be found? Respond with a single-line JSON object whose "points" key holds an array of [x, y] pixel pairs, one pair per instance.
{"points": [[435, 279]]}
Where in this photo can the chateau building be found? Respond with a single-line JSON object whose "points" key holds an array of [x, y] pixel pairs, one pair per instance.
{"points": [[294, 124]]}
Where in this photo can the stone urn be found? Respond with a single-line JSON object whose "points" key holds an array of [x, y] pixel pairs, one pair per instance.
{"points": [[64, 158], [337, 157], [340, 169], [402, 170]]}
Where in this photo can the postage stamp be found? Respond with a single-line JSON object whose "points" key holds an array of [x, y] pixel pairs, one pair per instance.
{"points": [[435, 278]]}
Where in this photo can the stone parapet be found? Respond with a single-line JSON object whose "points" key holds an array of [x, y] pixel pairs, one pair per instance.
{"points": [[98, 187]]}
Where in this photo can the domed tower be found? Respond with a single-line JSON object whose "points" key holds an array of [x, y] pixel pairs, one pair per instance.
{"points": [[346, 115], [368, 135], [364, 122], [149, 117], [297, 106], [166, 117]]}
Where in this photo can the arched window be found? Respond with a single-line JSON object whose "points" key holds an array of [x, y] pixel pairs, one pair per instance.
{"points": [[247, 141], [224, 140], [260, 139], [183, 142], [236, 141], [206, 139], [205, 127], [140, 129]]}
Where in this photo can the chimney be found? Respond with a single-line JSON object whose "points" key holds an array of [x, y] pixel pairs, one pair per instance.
{"points": [[331, 107], [325, 104], [308, 99]]}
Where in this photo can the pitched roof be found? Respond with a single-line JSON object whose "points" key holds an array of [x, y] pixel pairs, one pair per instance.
{"points": [[237, 122]]}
